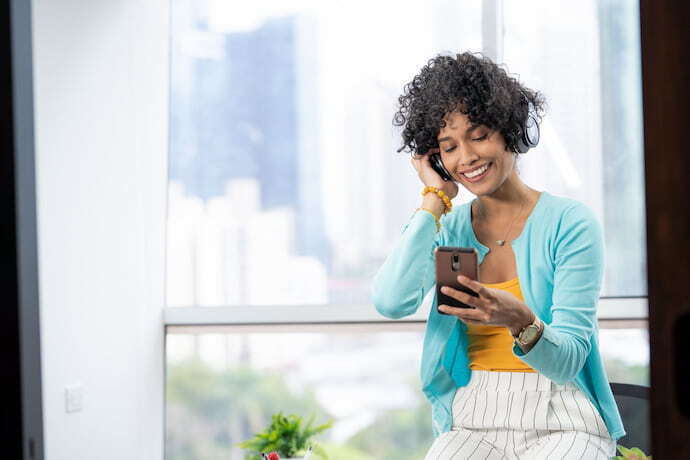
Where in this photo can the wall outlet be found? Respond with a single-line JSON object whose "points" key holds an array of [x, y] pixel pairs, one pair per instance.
{"points": [[74, 398]]}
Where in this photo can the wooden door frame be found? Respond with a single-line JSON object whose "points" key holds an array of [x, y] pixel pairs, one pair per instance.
{"points": [[665, 55]]}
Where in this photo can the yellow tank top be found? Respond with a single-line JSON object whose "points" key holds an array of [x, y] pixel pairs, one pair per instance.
{"points": [[490, 348]]}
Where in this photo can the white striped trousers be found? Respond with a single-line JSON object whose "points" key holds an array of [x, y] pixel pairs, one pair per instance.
{"points": [[522, 415]]}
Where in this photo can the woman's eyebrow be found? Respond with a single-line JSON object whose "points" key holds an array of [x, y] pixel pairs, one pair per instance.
{"points": [[467, 131]]}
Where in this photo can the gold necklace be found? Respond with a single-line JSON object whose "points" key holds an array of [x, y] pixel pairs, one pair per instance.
{"points": [[502, 242]]}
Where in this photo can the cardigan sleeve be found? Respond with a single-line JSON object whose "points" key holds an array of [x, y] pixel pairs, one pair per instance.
{"points": [[561, 351], [409, 271]]}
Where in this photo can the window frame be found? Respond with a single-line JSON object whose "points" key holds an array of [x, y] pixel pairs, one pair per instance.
{"points": [[613, 311]]}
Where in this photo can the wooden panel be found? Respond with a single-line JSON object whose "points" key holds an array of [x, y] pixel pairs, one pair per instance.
{"points": [[665, 37]]}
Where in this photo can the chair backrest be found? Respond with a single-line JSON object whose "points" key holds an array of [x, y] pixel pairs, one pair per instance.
{"points": [[633, 405]]}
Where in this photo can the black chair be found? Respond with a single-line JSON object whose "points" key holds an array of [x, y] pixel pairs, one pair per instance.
{"points": [[633, 405]]}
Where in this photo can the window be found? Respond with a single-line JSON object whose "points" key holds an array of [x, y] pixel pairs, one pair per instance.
{"points": [[224, 384], [584, 57], [286, 195], [223, 387], [285, 188]]}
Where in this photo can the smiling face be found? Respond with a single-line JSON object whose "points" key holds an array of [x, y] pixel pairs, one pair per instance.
{"points": [[467, 149]]}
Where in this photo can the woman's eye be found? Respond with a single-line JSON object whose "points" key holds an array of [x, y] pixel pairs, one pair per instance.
{"points": [[476, 139]]}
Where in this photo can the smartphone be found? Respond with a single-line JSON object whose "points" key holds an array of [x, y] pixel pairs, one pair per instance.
{"points": [[452, 261], [437, 164]]}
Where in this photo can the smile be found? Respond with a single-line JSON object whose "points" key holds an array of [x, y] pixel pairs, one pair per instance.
{"points": [[480, 173]]}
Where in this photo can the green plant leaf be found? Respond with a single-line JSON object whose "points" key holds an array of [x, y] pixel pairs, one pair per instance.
{"points": [[633, 453], [286, 434], [638, 452], [624, 450]]}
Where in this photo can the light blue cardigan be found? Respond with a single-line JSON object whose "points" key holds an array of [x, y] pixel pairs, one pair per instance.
{"points": [[560, 264]]}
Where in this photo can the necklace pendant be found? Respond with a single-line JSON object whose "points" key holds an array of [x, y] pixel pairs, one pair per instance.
{"points": [[500, 242]]}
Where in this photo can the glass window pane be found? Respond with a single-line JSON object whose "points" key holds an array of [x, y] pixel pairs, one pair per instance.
{"points": [[281, 134], [626, 355], [223, 388], [584, 57], [283, 171]]}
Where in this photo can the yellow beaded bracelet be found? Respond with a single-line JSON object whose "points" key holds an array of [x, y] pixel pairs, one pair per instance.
{"points": [[441, 194], [436, 218]]}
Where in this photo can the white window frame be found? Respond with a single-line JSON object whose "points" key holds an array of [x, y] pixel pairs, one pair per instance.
{"points": [[613, 312]]}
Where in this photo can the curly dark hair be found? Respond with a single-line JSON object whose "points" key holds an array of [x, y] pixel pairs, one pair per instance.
{"points": [[471, 83]]}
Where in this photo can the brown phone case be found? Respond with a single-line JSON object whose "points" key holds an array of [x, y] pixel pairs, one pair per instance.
{"points": [[451, 262]]}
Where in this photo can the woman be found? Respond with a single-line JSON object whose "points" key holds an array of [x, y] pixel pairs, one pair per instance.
{"points": [[520, 374]]}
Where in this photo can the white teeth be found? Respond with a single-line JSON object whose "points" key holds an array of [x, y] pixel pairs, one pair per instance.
{"points": [[477, 172]]}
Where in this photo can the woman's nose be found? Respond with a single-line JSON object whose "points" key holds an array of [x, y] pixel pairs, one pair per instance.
{"points": [[467, 158]]}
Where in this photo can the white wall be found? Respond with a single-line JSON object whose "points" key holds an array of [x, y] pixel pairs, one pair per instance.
{"points": [[101, 100]]}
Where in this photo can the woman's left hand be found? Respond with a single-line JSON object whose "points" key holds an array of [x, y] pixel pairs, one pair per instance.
{"points": [[493, 306]]}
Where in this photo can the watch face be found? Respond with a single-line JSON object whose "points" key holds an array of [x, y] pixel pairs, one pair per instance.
{"points": [[529, 333]]}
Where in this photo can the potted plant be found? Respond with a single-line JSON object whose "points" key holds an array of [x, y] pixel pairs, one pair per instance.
{"points": [[287, 436], [631, 454]]}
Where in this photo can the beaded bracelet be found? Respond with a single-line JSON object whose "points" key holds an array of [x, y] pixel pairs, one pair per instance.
{"points": [[441, 194], [436, 218]]}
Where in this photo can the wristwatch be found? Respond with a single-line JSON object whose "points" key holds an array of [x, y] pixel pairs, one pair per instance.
{"points": [[529, 332]]}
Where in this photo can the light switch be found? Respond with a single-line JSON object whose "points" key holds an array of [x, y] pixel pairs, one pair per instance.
{"points": [[74, 398]]}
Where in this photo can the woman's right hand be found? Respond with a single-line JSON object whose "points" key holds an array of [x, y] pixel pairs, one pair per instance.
{"points": [[430, 177]]}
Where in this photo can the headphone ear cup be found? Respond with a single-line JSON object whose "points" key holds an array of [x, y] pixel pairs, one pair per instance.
{"points": [[529, 132]]}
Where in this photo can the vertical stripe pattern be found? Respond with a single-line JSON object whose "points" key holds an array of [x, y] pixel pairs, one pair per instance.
{"points": [[522, 415]]}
